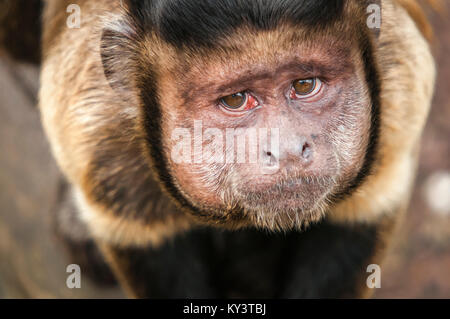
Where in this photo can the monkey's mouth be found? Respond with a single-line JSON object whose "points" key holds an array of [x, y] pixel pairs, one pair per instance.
{"points": [[297, 195]]}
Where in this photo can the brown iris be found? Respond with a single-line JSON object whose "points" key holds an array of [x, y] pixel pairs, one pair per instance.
{"points": [[234, 101], [304, 87]]}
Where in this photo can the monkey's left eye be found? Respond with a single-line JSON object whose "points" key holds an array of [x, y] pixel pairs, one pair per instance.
{"points": [[239, 102], [305, 88]]}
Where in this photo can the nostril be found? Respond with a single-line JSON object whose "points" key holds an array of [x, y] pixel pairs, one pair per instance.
{"points": [[270, 159], [306, 151]]}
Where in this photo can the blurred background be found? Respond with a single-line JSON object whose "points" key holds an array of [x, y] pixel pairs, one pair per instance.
{"points": [[33, 260]]}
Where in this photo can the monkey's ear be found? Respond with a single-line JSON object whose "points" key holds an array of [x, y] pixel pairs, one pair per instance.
{"points": [[117, 50], [374, 17]]}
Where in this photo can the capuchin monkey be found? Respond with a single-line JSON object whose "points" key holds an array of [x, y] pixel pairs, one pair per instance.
{"points": [[237, 148]]}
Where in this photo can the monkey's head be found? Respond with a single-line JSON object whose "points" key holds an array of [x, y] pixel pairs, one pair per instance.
{"points": [[255, 112]]}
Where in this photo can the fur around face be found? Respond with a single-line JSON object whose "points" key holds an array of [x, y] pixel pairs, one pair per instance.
{"points": [[97, 137]]}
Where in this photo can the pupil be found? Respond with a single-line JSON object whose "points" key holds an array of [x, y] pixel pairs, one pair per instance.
{"points": [[304, 86], [234, 100]]}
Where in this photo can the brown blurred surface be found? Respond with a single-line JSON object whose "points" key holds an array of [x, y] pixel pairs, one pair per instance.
{"points": [[33, 261]]}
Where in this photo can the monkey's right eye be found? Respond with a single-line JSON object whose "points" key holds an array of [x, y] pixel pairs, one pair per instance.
{"points": [[239, 102]]}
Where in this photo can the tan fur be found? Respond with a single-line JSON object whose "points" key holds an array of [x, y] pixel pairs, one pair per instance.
{"points": [[408, 72], [416, 11], [73, 119], [123, 232]]}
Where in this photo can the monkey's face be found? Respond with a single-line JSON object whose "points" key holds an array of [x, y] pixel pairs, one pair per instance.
{"points": [[269, 129]]}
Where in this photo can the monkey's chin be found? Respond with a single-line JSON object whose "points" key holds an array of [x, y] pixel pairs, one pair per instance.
{"points": [[287, 205]]}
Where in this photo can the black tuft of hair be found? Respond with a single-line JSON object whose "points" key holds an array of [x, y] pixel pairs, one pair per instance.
{"points": [[202, 22]]}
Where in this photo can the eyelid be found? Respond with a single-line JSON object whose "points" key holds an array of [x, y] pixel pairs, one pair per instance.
{"points": [[248, 98]]}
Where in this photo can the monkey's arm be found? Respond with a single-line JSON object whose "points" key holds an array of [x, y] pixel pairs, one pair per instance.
{"points": [[331, 260], [180, 269]]}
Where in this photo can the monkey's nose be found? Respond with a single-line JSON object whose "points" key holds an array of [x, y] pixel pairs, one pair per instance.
{"points": [[306, 152], [291, 154]]}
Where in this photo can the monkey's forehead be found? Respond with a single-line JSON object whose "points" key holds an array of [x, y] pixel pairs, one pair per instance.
{"points": [[204, 23], [248, 50], [249, 54]]}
